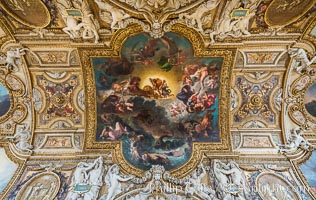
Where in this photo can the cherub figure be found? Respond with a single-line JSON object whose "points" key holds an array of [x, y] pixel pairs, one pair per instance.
{"points": [[13, 58], [296, 141], [303, 63]]}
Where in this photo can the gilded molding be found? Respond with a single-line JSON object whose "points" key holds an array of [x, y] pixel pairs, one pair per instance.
{"points": [[199, 51]]}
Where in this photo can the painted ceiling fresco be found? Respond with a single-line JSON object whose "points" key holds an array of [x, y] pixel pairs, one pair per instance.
{"points": [[156, 99]]}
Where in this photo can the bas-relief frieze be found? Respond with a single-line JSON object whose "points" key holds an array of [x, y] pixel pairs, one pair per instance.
{"points": [[212, 179], [42, 186]]}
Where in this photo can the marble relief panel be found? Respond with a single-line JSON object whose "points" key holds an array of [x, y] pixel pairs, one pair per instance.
{"points": [[273, 186], [254, 141]]}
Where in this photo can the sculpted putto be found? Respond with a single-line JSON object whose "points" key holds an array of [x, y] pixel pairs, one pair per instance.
{"points": [[296, 141], [303, 63], [12, 58], [195, 19]]}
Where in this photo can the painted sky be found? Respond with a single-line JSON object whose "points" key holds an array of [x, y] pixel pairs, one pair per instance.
{"points": [[3, 90], [313, 32], [310, 94], [309, 169], [7, 169]]}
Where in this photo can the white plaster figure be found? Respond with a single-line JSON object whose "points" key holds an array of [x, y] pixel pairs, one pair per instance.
{"points": [[296, 141], [194, 20], [90, 174], [112, 180], [117, 16], [22, 138], [13, 58], [303, 64]]}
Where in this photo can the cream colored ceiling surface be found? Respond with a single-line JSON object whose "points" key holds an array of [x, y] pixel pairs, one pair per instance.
{"points": [[156, 99]]}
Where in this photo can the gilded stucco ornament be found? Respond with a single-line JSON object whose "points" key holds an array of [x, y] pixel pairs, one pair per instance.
{"points": [[156, 14], [299, 96], [112, 177], [16, 105], [282, 13], [25, 12]]}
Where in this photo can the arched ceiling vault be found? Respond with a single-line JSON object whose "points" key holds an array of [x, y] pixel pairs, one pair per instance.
{"points": [[113, 99]]}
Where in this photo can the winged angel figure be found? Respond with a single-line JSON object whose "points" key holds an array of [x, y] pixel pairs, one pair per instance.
{"points": [[81, 24]]}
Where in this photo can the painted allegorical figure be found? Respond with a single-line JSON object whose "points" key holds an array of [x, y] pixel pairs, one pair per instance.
{"points": [[158, 99]]}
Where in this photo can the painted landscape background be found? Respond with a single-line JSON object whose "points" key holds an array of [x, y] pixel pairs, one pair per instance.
{"points": [[4, 100], [7, 169], [309, 170], [310, 100]]}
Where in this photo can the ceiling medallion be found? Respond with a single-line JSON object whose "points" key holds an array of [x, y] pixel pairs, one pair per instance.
{"points": [[281, 13], [30, 13], [12, 111], [161, 102]]}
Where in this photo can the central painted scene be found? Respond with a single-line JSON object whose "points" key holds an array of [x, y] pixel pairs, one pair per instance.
{"points": [[158, 99]]}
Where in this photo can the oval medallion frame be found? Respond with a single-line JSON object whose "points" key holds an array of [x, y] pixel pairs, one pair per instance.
{"points": [[277, 177], [21, 9], [287, 13], [21, 193]]}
